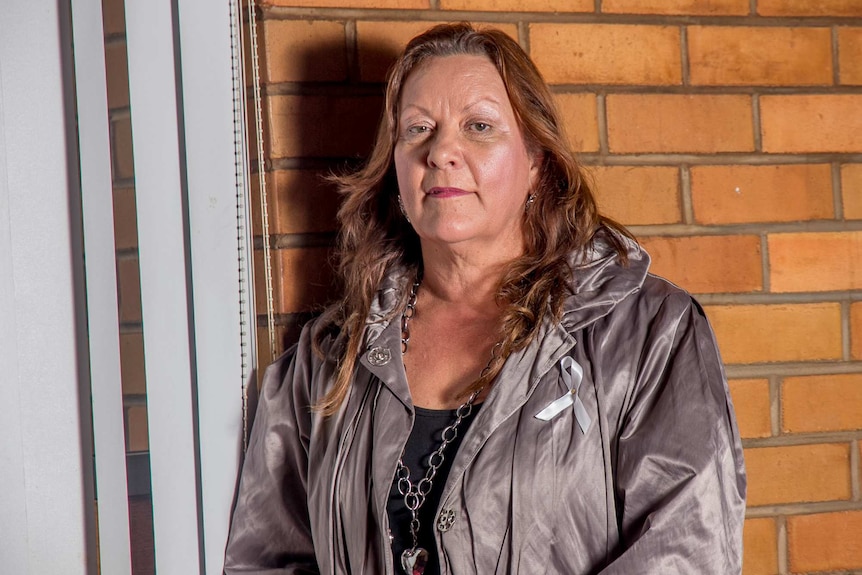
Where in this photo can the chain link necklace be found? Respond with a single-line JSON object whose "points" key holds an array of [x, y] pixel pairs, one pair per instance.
{"points": [[414, 559]]}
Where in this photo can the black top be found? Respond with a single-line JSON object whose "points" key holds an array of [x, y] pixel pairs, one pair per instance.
{"points": [[425, 439]]}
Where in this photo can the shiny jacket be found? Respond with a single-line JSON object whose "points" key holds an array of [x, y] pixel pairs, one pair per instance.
{"points": [[654, 483]]}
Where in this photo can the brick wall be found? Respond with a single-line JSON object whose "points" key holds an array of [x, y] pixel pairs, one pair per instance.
{"points": [[726, 133]]}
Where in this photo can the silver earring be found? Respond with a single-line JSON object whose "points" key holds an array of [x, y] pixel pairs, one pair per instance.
{"points": [[401, 207], [530, 199]]}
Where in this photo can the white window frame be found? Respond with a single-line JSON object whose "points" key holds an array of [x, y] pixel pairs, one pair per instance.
{"points": [[59, 340]]}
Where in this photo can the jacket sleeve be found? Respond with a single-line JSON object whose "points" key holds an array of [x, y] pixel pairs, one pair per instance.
{"points": [[679, 474], [270, 531]]}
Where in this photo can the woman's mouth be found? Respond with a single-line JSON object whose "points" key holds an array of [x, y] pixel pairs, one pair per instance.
{"points": [[438, 192]]}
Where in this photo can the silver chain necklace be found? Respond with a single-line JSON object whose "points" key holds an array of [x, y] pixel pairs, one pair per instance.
{"points": [[414, 559]]}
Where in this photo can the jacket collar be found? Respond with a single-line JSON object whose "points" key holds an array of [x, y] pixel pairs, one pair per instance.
{"points": [[602, 280]]}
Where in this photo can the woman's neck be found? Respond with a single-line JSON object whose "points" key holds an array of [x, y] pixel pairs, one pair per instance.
{"points": [[463, 278]]}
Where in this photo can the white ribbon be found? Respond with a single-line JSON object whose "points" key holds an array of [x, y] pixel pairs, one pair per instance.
{"points": [[572, 374]]}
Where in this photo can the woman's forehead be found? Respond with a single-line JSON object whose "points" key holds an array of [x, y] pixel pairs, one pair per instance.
{"points": [[467, 79]]}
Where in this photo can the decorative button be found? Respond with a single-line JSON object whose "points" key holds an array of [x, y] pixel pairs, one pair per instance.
{"points": [[445, 520], [379, 355]]}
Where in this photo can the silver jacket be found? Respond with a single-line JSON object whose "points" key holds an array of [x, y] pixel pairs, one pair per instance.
{"points": [[655, 484]]}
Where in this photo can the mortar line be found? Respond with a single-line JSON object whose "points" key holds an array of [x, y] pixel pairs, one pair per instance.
{"points": [[434, 5], [683, 56], [837, 191], [685, 194], [762, 511], [584, 17], [800, 439], [764, 261], [782, 545], [598, 6], [749, 371], [755, 121], [752, 228], [524, 35], [854, 470], [845, 330], [351, 46], [775, 405], [602, 121], [752, 7], [836, 60]]}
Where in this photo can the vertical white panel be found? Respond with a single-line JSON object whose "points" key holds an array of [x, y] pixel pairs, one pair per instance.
{"points": [[42, 475], [102, 316], [13, 535], [156, 137], [204, 32]]}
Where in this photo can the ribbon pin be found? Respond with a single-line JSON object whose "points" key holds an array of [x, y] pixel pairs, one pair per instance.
{"points": [[572, 373]]}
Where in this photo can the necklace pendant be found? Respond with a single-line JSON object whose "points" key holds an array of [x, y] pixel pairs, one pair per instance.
{"points": [[413, 561]]}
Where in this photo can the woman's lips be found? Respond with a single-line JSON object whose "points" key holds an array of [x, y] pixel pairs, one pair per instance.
{"points": [[446, 192]]}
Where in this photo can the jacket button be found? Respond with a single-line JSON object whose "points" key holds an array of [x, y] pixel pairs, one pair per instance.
{"points": [[379, 355], [445, 520]]}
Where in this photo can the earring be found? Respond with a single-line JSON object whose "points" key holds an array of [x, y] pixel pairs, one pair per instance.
{"points": [[530, 199], [401, 207]]}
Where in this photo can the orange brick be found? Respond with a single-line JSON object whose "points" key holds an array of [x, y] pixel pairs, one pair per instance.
{"points": [[751, 404], [117, 74], [798, 473], [821, 403], [638, 195], [113, 16], [304, 51], [123, 161], [749, 55], [850, 55], [760, 547], [809, 8], [302, 279], [132, 369], [777, 332], [815, 262], [302, 126], [741, 194], [125, 219], [679, 123], [825, 541], [303, 202], [673, 7], [380, 43], [129, 291], [578, 112], [851, 191], [137, 434], [700, 264], [389, 4], [606, 53], [520, 5], [856, 330], [811, 123]]}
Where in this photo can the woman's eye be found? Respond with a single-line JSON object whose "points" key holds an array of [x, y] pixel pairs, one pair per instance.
{"points": [[417, 130], [480, 127]]}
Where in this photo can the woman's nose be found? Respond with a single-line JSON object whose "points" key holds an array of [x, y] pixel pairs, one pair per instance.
{"points": [[443, 150]]}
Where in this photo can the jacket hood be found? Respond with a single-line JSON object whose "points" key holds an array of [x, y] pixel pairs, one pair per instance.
{"points": [[602, 280]]}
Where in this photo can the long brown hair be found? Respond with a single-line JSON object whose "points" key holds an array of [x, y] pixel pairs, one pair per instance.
{"points": [[375, 237]]}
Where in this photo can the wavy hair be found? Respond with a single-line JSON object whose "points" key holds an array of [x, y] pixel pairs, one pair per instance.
{"points": [[374, 236]]}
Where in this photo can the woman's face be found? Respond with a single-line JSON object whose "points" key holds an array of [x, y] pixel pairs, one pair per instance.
{"points": [[463, 169]]}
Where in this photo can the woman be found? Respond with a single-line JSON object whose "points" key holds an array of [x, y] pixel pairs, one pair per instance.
{"points": [[504, 388]]}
